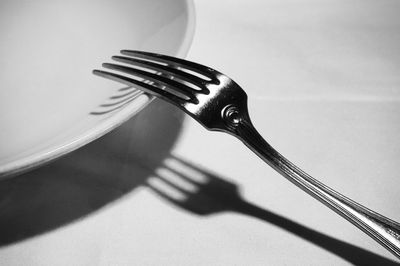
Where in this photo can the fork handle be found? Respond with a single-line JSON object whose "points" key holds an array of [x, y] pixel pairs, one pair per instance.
{"points": [[382, 229]]}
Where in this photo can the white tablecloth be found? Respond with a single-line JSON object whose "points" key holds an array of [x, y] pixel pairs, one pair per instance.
{"points": [[323, 81]]}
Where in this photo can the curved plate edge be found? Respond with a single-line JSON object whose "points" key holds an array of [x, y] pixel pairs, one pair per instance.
{"points": [[21, 166]]}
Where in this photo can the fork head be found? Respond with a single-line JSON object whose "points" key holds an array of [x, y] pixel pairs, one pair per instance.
{"points": [[210, 97]]}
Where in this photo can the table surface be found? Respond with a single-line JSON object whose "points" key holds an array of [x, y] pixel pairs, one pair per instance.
{"points": [[323, 81]]}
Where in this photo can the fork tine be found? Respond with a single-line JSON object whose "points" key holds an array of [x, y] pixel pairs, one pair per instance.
{"points": [[197, 68], [174, 72], [143, 86], [172, 85]]}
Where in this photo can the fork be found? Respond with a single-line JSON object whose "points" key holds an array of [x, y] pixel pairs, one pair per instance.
{"points": [[220, 104]]}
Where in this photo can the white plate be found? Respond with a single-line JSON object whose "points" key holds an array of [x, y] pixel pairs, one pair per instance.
{"points": [[50, 103]]}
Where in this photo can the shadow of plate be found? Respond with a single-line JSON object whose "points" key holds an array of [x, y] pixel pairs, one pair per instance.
{"points": [[89, 178]]}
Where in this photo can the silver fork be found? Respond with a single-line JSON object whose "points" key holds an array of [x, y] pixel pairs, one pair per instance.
{"points": [[219, 104]]}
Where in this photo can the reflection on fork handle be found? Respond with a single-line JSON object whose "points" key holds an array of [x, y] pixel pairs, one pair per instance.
{"points": [[385, 231]]}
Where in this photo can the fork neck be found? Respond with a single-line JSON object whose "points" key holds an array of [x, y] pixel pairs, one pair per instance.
{"points": [[384, 230]]}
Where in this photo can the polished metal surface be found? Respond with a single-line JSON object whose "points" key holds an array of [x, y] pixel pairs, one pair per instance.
{"points": [[219, 104]]}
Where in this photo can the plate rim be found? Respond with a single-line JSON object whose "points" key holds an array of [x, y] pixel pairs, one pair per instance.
{"points": [[47, 155]]}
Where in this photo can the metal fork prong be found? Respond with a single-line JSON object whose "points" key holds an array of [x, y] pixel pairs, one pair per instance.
{"points": [[195, 67], [143, 86], [170, 84], [167, 69]]}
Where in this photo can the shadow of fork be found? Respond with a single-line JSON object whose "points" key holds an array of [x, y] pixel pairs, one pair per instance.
{"points": [[201, 192]]}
